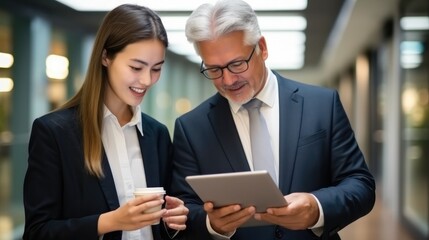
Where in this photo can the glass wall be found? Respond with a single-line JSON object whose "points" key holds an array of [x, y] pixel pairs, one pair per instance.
{"points": [[415, 112]]}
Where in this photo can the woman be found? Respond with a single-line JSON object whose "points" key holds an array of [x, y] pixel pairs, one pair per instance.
{"points": [[86, 158]]}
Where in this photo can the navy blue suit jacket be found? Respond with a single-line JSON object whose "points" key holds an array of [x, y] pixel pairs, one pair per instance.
{"points": [[63, 201], [318, 154]]}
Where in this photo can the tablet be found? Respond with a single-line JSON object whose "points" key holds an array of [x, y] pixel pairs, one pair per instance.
{"points": [[252, 188]]}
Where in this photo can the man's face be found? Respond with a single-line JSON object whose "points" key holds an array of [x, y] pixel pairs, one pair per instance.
{"points": [[241, 87]]}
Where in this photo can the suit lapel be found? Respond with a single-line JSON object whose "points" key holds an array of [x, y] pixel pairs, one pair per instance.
{"points": [[108, 185], [148, 149], [291, 107], [150, 162], [224, 127], [291, 104]]}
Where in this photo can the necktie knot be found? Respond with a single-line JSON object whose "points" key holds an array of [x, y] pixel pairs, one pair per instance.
{"points": [[253, 104]]}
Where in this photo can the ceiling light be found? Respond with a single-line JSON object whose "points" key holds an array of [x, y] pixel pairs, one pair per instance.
{"points": [[285, 58], [6, 60], [412, 47], [415, 23], [288, 63], [286, 42], [183, 5], [285, 49], [266, 23], [178, 43], [174, 23], [411, 60], [6, 84], [285, 38], [279, 23], [411, 54], [57, 67]]}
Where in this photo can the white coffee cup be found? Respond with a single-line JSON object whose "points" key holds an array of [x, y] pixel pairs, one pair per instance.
{"points": [[150, 191]]}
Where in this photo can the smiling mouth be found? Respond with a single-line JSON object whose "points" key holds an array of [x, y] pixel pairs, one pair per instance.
{"points": [[138, 90], [235, 87]]}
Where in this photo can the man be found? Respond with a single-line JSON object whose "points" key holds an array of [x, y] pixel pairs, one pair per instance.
{"points": [[317, 163]]}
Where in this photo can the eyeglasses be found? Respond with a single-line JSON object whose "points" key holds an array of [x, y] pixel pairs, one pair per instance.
{"points": [[234, 67]]}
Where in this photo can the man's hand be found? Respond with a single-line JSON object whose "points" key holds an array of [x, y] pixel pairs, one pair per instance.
{"points": [[301, 212], [227, 219]]}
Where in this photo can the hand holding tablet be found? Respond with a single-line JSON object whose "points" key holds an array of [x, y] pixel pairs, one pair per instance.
{"points": [[252, 188]]}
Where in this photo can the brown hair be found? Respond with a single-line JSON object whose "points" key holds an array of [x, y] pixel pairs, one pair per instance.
{"points": [[124, 25]]}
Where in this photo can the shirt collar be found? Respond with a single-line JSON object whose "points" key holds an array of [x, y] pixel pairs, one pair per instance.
{"points": [[266, 95], [136, 120]]}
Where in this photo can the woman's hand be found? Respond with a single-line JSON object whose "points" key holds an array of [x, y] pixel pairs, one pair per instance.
{"points": [[131, 216], [176, 214]]}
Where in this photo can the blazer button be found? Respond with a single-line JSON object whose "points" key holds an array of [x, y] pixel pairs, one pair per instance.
{"points": [[278, 233]]}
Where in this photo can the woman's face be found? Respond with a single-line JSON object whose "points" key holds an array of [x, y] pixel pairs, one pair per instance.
{"points": [[241, 87], [132, 72]]}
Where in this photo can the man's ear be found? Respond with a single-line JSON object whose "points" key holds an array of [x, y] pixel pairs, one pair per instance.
{"points": [[104, 59], [262, 44]]}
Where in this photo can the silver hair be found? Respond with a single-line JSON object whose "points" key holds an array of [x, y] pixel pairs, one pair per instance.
{"points": [[209, 22]]}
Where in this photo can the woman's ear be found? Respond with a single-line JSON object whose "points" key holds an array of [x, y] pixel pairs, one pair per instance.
{"points": [[104, 59]]}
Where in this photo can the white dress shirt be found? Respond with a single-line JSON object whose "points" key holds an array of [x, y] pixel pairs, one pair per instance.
{"points": [[270, 110], [126, 162]]}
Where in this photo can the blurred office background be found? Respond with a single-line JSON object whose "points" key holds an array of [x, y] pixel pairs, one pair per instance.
{"points": [[375, 52]]}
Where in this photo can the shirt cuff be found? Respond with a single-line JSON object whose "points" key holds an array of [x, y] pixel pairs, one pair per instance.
{"points": [[216, 235], [318, 227]]}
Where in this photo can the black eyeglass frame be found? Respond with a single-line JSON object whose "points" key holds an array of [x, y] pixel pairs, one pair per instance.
{"points": [[227, 66]]}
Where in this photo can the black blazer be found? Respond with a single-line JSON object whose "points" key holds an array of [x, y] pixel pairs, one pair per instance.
{"points": [[318, 154], [61, 200]]}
